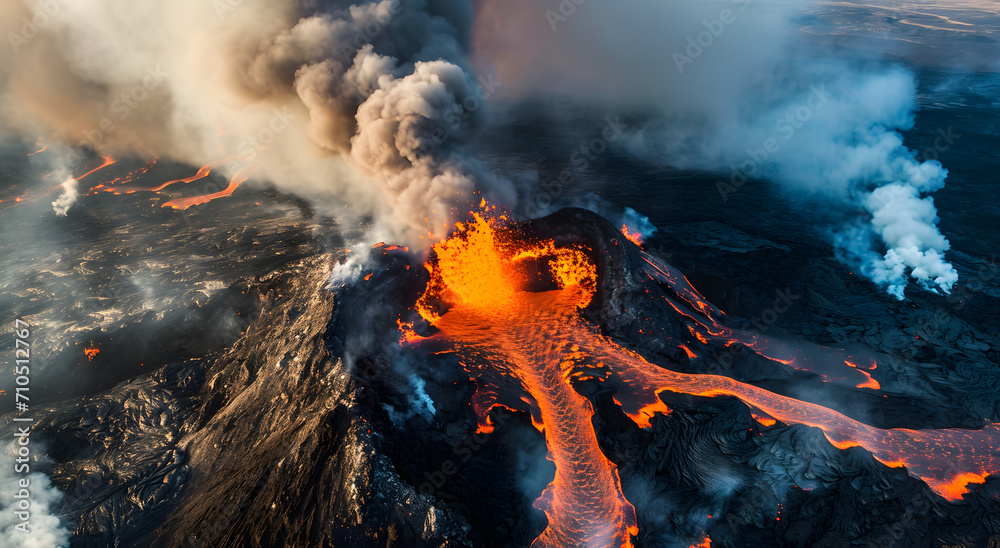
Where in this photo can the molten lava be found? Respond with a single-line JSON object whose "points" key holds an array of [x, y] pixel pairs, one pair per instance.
{"points": [[130, 177], [202, 172], [239, 178], [106, 161], [480, 280], [634, 237], [706, 543], [509, 308], [833, 366]]}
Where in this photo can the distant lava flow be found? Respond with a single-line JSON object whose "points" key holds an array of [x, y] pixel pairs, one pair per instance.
{"points": [[834, 366], [237, 179], [180, 203], [509, 308], [105, 162]]}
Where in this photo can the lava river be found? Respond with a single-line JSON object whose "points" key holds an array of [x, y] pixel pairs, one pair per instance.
{"points": [[510, 309]]}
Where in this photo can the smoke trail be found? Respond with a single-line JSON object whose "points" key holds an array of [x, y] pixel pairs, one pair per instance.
{"points": [[371, 105], [366, 105]]}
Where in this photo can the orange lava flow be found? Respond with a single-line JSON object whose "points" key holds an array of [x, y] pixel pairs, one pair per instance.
{"points": [[202, 172], [831, 365], [239, 178], [524, 349], [634, 237], [489, 314], [108, 160], [946, 459], [109, 185]]}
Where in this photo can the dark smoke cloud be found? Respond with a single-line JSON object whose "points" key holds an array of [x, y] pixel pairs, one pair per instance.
{"points": [[366, 104]]}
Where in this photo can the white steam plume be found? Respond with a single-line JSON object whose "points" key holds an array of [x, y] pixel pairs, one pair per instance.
{"points": [[67, 198], [837, 139], [906, 222], [733, 87], [39, 497], [366, 104]]}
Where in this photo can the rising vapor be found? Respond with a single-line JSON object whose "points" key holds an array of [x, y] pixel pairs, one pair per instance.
{"points": [[731, 87], [67, 198]]}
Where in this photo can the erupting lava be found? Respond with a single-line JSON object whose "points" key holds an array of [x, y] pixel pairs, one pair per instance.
{"points": [[509, 308], [490, 312]]}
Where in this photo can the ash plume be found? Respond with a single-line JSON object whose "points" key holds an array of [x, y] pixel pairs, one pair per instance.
{"points": [[363, 104]]}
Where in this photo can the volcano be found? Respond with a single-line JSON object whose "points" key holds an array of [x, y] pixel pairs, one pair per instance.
{"points": [[471, 273], [407, 407]]}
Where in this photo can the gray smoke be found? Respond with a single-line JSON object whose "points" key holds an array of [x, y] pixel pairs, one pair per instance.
{"points": [[364, 105], [734, 88]]}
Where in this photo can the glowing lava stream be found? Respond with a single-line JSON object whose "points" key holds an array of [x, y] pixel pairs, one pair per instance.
{"points": [[489, 313], [239, 178], [833, 366], [524, 348]]}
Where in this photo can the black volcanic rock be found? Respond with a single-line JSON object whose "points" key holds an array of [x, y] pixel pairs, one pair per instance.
{"points": [[310, 429]]}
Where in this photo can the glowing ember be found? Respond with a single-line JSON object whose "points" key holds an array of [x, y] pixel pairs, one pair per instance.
{"points": [[634, 237], [524, 349], [91, 351]]}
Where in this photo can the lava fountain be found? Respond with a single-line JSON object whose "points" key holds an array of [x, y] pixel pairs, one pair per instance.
{"points": [[509, 306]]}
